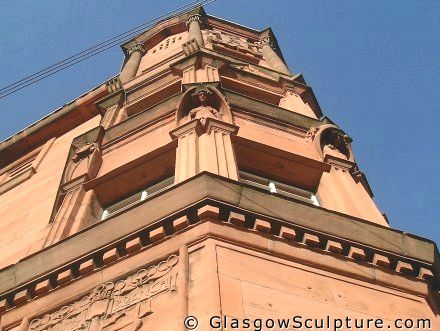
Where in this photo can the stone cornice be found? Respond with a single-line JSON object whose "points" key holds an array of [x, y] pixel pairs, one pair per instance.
{"points": [[263, 109], [157, 219], [53, 125], [242, 30], [174, 23]]}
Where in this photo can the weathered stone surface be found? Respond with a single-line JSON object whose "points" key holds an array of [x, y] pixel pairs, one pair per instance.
{"points": [[236, 219], [202, 180]]}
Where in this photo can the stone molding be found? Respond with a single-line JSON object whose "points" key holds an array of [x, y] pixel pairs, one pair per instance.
{"points": [[192, 126], [239, 219]]}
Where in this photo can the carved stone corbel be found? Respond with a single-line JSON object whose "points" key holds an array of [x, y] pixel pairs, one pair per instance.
{"points": [[112, 109], [190, 47]]}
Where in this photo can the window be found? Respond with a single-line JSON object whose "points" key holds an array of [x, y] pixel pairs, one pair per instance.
{"points": [[137, 197], [278, 188]]}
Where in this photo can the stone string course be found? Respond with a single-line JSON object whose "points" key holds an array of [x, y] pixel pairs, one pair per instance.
{"points": [[217, 212]]}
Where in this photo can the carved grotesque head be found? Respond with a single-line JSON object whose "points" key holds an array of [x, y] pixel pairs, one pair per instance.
{"points": [[201, 96], [337, 140]]}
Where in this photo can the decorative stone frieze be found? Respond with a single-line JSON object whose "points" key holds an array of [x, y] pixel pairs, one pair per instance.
{"points": [[237, 45], [129, 298], [253, 70]]}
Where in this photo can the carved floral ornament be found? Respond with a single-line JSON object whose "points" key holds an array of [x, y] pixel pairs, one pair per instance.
{"points": [[328, 139], [110, 303]]}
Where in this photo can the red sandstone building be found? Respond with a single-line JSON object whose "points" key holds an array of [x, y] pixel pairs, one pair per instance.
{"points": [[203, 180]]}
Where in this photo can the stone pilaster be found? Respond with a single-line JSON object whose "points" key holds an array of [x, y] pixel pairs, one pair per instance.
{"points": [[217, 154], [193, 24], [339, 191], [272, 57], [205, 148], [132, 65], [187, 149]]}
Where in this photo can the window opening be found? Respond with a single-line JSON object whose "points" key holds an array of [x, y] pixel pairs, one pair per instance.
{"points": [[137, 197], [277, 187]]}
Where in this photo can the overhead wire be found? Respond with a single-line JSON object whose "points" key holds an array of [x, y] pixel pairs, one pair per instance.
{"points": [[96, 49]]}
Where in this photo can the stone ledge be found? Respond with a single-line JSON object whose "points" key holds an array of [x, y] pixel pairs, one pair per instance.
{"points": [[274, 243], [290, 220]]}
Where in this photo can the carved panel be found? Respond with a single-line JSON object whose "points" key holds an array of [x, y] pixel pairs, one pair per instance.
{"points": [[115, 305], [234, 42]]}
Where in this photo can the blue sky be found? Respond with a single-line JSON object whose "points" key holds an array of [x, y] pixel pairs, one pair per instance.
{"points": [[374, 67]]}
